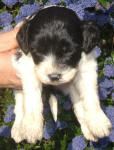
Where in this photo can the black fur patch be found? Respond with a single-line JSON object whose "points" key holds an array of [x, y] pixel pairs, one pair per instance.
{"points": [[57, 30]]}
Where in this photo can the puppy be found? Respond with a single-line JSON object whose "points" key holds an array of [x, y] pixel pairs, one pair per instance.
{"points": [[56, 49]]}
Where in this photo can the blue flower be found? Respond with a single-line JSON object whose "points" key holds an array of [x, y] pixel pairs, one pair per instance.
{"points": [[102, 19], [67, 104], [78, 143], [109, 111], [111, 136], [113, 96], [18, 19], [49, 129], [5, 131], [21, 1], [6, 28], [98, 149], [52, 2], [90, 16], [46, 109], [106, 83], [102, 143], [5, 19], [103, 93], [109, 58], [9, 2], [68, 2], [61, 125], [106, 86], [78, 9], [108, 5], [108, 70], [106, 9], [29, 9], [10, 114], [98, 51], [98, 6], [88, 3]]}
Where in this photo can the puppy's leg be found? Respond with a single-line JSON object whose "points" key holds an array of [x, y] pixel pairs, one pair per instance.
{"points": [[33, 119], [86, 84], [16, 129], [33, 108], [32, 123], [79, 112]]}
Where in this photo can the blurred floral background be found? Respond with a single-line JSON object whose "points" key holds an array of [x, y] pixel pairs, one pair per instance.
{"points": [[65, 134]]}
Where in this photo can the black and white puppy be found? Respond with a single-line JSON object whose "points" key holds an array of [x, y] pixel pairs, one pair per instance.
{"points": [[57, 50]]}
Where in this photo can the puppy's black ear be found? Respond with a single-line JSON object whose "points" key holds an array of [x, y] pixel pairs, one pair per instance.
{"points": [[22, 37], [91, 35]]}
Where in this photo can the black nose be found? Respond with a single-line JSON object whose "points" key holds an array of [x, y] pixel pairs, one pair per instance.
{"points": [[54, 76]]}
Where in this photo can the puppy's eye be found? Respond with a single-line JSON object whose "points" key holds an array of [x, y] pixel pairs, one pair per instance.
{"points": [[37, 57], [63, 66]]}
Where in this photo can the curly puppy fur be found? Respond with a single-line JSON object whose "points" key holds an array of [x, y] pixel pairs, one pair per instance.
{"points": [[56, 49]]}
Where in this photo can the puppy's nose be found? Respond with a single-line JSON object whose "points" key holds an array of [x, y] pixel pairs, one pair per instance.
{"points": [[54, 76]]}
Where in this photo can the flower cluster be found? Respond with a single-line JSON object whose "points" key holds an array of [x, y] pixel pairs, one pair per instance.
{"points": [[86, 10], [78, 143], [5, 131], [26, 10], [11, 2], [5, 19], [9, 114], [79, 6], [108, 70], [106, 83]]}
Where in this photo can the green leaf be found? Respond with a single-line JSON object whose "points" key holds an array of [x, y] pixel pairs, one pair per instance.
{"points": [[103, 2], [64, 143]]}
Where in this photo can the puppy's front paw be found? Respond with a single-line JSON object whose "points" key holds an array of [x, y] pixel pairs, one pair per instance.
{"points": [[98, 124], [16, 133], [32, 128], [87, 133]]}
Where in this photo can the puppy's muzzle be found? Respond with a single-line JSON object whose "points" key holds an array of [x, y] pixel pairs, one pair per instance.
{"points": [[54, 76]]}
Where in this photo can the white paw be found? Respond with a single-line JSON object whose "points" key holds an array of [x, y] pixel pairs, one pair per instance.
{"points": [[98, 124], [16, 134], [87, 133], [32, 128]]}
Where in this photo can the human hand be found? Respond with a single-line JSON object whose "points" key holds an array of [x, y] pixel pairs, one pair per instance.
{"points": [[8, 40], [8, 78]]}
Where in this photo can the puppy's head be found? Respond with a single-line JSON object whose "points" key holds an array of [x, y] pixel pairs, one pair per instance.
{"points": [[55, 38]]}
